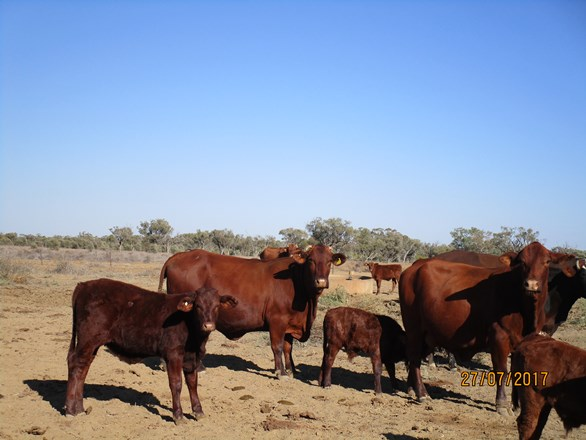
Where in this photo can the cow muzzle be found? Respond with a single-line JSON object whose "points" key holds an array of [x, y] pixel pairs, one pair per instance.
{"points": [[532, 286], [321, 283], [208, 327]]}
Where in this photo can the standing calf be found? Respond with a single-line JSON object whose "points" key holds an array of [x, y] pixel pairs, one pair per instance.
{"points": [[354, 330], [134, 324], [551, 374], [387, 272]]}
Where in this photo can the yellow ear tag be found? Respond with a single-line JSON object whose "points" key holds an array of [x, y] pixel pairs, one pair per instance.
{"points": [[338, 262]]}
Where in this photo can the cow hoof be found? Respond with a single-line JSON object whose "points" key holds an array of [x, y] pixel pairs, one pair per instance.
{"points": [[424, 399], [504, 410], [198, 415], [179, 420], [283, 377]]}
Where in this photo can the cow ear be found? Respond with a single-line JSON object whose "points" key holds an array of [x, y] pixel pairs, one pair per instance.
{"points": [[228, 301], [508, 258], [298, 258], [567, 263], [186, 304], [338, 259]]}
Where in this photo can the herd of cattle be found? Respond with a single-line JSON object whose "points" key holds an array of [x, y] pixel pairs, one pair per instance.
{"points": [[462, 301]]}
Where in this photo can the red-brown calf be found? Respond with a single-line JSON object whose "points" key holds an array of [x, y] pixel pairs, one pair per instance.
{"points": [[552, 374], [134, 324], [387, 272], [355, 330]]}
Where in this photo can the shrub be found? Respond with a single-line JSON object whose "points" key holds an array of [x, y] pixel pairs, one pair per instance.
{"points": [[11, 271], [333, 298]]}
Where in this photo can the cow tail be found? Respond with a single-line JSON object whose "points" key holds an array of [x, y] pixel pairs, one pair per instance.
{"points": [[162, 276]]}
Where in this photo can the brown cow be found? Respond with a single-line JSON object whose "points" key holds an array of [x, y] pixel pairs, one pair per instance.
{"points": [[270, 253], [489, 309], [134, 324], [550, 374], [563, 291], [279, 296], [355, 330], [387, 272]]}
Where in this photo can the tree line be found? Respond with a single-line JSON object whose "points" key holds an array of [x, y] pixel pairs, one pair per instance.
{"points": [[378, 244]]}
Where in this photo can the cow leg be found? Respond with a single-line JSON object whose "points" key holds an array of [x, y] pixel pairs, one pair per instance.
{"points": [[534, 414], [452, 361], [174, 367], [415, 352], [430, 360], [79, 360], [288, 354], [377, 368], [277, 343], [190, 370], [391, 370], [500, 354], [378, 283], [325, 375]]}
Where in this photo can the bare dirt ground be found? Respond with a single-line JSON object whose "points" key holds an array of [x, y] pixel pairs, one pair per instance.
{"points": [[240, 395]]}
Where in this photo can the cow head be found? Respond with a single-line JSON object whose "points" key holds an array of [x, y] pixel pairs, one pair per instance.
{"points": [[293, 249], [206, 304], [532, 264], [369, 265], [318, 261]]}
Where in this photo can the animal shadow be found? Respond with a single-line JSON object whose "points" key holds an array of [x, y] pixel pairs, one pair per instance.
{"points": [[53, 391], [235, 363], [348, 379]]}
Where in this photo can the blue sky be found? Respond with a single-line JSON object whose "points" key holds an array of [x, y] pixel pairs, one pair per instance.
{"points": [[422, 116]]}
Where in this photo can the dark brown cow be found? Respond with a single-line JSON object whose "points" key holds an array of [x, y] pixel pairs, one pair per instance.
{"points": [[134, 324], [387, 272], [489, 309], [279, 296], [563, 293], [270, 253], [355, 330], [550, 374]]}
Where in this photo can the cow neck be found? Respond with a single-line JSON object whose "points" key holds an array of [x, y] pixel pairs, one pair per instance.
{"points": [[306, 296], [531, 307]]}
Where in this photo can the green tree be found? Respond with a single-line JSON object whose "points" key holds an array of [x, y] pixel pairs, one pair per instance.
{"points": [[224, 239], [121, 235], [512, 239], [333, 232], [471, 239], [295, 236], [156, 233]]}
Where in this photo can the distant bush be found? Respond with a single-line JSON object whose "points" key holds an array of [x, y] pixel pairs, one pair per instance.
{"points": [[14, 272], [64, 267]]}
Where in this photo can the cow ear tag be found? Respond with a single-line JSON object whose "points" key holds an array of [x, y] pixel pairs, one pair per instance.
{"points": [[185, 305], [338, 262]]}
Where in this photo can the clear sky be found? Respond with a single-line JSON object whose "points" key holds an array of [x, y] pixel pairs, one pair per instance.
{"points": [[422, 116]]}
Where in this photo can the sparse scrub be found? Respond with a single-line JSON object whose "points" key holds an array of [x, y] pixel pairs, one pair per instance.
{"points": [[13, 272], [334, 298], [64, 267]]}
